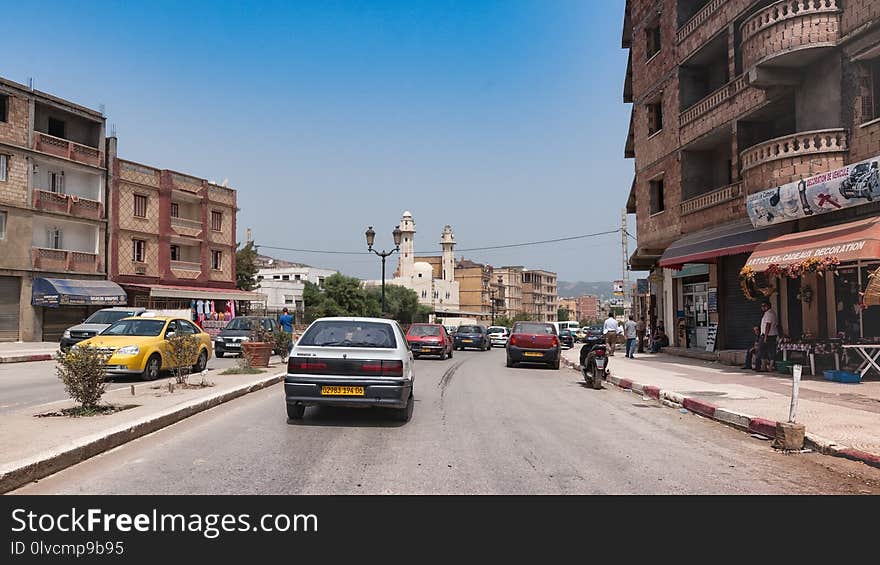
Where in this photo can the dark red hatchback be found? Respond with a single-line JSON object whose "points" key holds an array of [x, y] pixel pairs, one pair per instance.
{"points": [[429, 339], [533, 342]]}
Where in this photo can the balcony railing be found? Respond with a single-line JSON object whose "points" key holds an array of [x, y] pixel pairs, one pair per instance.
{"points": [[64, 260], [186, 265], [697, 19], [713, 100], [186, 223], [795, 145], [68, 204], [719, 196], [789, 25], [68, 149]]}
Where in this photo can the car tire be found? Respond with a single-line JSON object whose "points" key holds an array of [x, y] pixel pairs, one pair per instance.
{"points": [[450, 353], [510, 362], [152, 368], [443, 355], [201, 363], [219, 354], [556, 363], [416, 355], [296, 411], [405, 414]]}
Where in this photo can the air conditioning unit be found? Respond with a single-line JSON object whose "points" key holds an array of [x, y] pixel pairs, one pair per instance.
{"points": [[140, 269]]}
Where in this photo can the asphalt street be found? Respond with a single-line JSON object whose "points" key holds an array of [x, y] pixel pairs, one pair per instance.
{"points": [[478, 427]]}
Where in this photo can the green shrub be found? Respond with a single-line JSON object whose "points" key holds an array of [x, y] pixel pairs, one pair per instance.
{"points": [[81, 369], [183, 351], [283, 343]]}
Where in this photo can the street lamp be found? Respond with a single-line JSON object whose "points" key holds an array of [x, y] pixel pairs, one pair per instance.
{"points": [[371, 237]]}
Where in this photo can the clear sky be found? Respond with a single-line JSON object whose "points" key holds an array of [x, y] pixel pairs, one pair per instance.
{"points": [[502, 118]]}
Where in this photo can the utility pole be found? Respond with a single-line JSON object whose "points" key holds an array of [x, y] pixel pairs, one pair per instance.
{"points": [[624, 245]]}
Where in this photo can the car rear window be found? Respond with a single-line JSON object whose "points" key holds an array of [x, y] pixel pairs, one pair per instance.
{"points": [[347, 333], [424, 330], [470, 329], [496, 330], [534, 329]]}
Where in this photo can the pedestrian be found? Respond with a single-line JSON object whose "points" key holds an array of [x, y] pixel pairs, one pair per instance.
{"points": [[752, 355], [640, 333], [610, 330], [630, 329], [660, 341], [769, 334], [286, 321]]}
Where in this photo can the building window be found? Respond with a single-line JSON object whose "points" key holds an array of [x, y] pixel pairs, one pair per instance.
{"points": [[288, 299], [56, 127], [276, 277], [296, 277], [138, 250], [657, 197], [4, 104], [216, 260], [871, 91], [655, 117], [175, 253], [652, 40], [56, 182], [175, 210], [54, 237], [2, 225], [4, 168], [140, 206], [216, 220], [321, 282], [285, 277]]}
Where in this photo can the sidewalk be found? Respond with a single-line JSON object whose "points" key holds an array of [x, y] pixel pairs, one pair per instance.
{"points": [[18, 352], [840, 419], [34, 447]]}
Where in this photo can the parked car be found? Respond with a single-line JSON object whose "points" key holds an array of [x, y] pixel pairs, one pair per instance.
{"points": [[139, 345], [533, 342], [96, 323], [361, 362], [498, 335], [474, 337], [239, 329], [429, 339], [566, 338]]}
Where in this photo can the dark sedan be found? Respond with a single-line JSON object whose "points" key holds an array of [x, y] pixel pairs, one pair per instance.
{"points": [[566, 338], [240, 329], [473, 337]]}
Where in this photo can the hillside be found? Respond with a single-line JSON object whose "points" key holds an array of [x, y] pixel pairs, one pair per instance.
{"points": [[567, 289]]}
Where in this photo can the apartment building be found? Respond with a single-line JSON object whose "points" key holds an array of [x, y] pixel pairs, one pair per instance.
{"points": [[570, 306], [283, 286], [53, 214], [739, 108], [589, 307], [539, 294], [475, 283], [512, 293]]}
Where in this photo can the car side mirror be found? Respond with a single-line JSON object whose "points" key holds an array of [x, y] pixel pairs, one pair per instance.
{"points": [[170, 335]]}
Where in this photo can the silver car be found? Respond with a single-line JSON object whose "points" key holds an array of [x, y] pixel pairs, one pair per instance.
{"points": [[96, 323], [498, 335]]}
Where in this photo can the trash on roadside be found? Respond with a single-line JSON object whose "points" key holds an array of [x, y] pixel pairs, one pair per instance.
{"points": [[683, 410], [759, 436], [646, 398]]}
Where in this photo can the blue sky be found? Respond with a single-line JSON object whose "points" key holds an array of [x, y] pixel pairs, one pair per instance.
{"points": [[503, 118]]}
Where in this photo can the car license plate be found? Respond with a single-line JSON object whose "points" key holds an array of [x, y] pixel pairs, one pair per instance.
{"points": [[533, 354], [467, 340], [233, 345], [600, 362], [342, 391]]}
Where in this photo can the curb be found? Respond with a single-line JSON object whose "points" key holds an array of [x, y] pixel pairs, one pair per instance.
{"points": [[19, 473], [26, 358], [737, 420]]}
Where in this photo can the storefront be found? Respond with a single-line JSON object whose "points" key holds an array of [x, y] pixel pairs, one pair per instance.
{"points": [[67, 302]]}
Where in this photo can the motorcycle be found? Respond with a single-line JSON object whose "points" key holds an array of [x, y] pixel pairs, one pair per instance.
{"points": [[594, 361]]}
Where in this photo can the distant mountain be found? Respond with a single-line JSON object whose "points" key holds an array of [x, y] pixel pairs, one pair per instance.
{"points": [[604, 289]]}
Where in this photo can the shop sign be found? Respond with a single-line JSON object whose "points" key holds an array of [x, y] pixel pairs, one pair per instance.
{"points": [[642, 286], [804, 254], [846, 187], [618, 288], [712, 299]]}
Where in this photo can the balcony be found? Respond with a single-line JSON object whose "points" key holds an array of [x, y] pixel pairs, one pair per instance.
{"points": [[697, 20], [186, 265], [187, 227], [791, 157], [786, 36], [69, 204], [710, 199], [51, 145], [63, 260]]}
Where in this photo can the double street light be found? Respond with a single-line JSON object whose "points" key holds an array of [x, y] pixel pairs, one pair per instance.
{"points": [[371, 237]]}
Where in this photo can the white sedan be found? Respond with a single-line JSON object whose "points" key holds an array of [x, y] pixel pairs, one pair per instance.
{"points": [[498, 335], [350, 362]]}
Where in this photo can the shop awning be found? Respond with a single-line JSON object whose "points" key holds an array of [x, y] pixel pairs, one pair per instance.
{"points": [[707, 245], [847, 242], [76, 292], [198, 292]]}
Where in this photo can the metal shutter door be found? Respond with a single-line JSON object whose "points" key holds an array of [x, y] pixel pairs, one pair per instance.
{"points": [[56, 320], [738, 312], [10, 294]]}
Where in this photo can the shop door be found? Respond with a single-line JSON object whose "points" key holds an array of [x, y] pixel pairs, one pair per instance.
{"points": [[10, 294], [795, 311], [737, 313], [696, 312], [56, 320]]}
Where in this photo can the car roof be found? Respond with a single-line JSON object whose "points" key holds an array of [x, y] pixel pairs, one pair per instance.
{"points": [[163, 318], [124, 308], [354, 319]]}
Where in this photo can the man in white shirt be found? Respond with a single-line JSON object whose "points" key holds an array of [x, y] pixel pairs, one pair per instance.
{"points": [[769, 334], [610, 330]]}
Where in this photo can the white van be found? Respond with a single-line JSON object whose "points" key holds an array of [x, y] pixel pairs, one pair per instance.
{"points": [[569, 325]]}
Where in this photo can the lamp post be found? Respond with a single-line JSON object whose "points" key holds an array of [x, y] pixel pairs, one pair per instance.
{"points": [[371, 237], [492, 302]]}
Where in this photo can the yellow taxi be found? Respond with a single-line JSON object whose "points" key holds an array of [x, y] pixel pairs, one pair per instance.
{"points": [[139, 345]]}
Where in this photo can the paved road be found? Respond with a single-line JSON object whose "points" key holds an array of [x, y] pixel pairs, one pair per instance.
{"points": [[32, 384], [478, 427]]}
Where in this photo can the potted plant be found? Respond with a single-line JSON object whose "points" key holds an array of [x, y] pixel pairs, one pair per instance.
{"points": [[259, 347]]}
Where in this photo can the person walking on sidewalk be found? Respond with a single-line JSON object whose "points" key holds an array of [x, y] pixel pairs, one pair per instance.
{"points": [[640, 333], [769, 334], [610, 330], [629, 332]]}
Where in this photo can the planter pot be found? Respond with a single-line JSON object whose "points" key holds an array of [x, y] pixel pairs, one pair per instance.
{"points": [[258, 351]]}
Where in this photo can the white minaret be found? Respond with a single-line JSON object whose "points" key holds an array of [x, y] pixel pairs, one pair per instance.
{"points": [[447, 242], [406, 259]]}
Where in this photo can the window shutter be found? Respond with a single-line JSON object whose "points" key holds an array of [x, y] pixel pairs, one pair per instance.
{"points": [[59, 181], [3, 165]]}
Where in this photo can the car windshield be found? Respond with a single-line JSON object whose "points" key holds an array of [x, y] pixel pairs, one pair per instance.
{"points": [[424, 330], [470, 330], [241, 324], [348, 333], [140, 326], [496, 330], [108, 316], [534, 329]]}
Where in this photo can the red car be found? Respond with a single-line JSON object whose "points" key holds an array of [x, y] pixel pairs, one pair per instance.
{"points": [[533, 342], [429, 339]]}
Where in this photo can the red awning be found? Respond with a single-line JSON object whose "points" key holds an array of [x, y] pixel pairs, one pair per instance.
{"points": [[847, 242]]}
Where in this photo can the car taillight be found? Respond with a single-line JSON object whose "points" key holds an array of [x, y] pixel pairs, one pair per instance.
{"points": [[299, 365], [512, 340], [555, 341], [383, 368]]}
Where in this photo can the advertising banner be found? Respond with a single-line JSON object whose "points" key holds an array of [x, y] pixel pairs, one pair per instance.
{"points": [[642, 286], [618, 288], [846, 187]]}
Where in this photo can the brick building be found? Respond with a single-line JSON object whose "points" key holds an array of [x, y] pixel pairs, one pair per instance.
{"points": [[733, 99], [539, 295], [588, 307], [53, 221], [571, 308]]}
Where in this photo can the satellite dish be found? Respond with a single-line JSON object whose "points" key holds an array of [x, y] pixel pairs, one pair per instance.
{"points": [[271, 261]]}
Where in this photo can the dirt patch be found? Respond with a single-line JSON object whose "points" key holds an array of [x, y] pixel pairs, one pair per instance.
{"points": [[80, 411]]}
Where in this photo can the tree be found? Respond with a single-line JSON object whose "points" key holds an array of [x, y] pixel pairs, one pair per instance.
{"points": [[522, 317], [504, 321], [341, 296], [402, 303], [246, 267], [562, 314]]}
